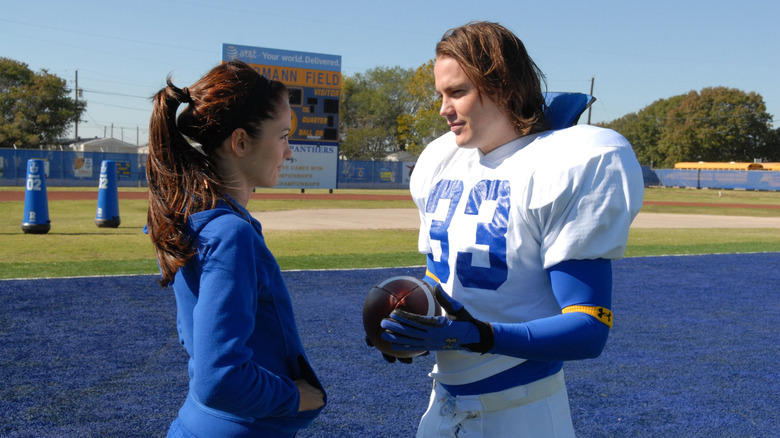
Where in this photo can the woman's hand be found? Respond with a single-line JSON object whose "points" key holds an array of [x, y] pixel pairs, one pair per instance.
{"points": [[311, 397]]}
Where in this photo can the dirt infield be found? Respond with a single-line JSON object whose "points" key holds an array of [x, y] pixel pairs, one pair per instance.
{"points": [[407, 218]]}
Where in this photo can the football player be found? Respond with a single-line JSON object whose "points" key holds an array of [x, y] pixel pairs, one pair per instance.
{"points": [[520, 224]]}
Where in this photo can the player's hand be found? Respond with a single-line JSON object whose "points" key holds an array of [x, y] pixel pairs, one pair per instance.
{"points": [[392, 359], [311, 397], [457, 331]]}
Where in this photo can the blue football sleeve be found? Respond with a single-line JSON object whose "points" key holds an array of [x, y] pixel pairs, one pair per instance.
{"points": [[583, 289]]}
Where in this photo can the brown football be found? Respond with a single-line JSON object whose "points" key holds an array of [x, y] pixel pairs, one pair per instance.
{"points": [[404, 293]]}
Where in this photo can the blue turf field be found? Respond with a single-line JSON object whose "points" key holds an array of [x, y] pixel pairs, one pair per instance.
{"points": [[693, 353]]}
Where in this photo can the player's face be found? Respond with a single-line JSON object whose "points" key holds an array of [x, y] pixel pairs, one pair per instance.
{"points": [[475, 119], [267, 153]]}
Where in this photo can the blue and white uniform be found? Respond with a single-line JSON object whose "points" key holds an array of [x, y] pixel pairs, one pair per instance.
{"points": [[496, 227], [235, 319]]}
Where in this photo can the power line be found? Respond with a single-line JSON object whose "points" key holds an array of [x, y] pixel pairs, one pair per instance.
{"points": [[110, 37], [146, 110], [114, 94]]}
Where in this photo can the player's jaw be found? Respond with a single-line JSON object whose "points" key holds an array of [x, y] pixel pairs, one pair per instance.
{"points": [[469, 129]]}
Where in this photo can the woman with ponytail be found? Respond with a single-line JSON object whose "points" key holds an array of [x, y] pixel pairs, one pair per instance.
{"points": [[249, 375]]}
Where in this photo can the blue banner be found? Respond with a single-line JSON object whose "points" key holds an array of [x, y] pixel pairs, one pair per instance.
{"points": [[719, 179], [314, 167]]}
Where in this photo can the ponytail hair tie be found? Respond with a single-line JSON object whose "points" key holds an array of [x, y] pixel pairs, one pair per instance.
{"points": [[185, 96]]}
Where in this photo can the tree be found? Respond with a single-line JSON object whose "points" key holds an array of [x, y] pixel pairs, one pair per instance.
{"points": [[645, 128], [422, 122], [716, 124], [35, 108], [370, 105]]}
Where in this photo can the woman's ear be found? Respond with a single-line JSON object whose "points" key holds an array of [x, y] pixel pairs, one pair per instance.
{"points": [[238, 142]]}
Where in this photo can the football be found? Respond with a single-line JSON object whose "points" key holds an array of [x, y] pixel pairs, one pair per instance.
{"points": [[404, 293]]}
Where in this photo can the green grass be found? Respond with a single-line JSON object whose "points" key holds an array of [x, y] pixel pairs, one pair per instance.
{"points": [[75, 246], [343, 249], [671, 241], [716, 197], [712, 196]]}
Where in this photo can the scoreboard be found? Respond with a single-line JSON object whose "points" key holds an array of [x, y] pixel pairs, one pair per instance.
{"points": [[314, 81]]}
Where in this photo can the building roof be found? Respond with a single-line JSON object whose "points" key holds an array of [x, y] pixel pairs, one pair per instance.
{"points": [[106, 145]]}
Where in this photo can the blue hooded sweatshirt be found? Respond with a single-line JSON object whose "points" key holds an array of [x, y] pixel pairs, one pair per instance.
{"points": [[235, 319]]}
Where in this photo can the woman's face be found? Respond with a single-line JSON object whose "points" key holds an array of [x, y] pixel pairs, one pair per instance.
{"points": [[266, 154]]}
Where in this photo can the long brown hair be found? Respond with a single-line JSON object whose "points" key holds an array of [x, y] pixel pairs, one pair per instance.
{"points": [[498, 65], [182, 179]]}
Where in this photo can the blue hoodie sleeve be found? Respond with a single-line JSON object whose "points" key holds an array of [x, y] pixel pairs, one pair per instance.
{"points": [[224, 376]]}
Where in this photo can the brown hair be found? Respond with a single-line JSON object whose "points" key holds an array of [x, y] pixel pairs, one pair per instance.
{"points": [[183, 180], [498, 65]]}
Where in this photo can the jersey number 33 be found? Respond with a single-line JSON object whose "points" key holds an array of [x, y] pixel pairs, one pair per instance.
{"points": [[490, 234]]}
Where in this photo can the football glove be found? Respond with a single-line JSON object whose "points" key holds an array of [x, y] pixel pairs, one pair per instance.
{"points": [[457, 331]]}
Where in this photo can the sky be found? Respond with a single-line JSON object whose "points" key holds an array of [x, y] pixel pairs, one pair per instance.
{"points": [[631, 52]]}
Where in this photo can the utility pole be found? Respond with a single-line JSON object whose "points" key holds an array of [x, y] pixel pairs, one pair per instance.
{"points": [[592, 78], [76, 129]]}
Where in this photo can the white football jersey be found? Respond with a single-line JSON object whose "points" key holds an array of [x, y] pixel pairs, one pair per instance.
{"points": [[493, 223]]}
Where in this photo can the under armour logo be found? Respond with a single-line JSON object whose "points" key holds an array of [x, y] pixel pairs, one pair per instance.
{"points": [[449, 343], [605, 314]]}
